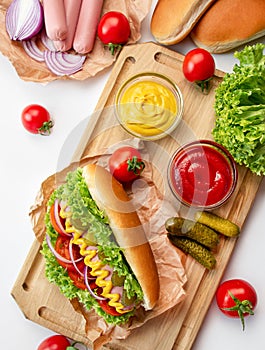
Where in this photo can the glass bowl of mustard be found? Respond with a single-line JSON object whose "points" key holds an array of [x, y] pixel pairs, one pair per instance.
{"points": [[149, 106], [202, 174]]}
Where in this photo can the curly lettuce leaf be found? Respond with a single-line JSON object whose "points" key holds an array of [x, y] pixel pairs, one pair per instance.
{"points": [[240, 109]]}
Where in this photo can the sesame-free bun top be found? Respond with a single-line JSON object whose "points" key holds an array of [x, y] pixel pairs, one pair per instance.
{"points": [[172, 20], [230, 23], [111, 197]]}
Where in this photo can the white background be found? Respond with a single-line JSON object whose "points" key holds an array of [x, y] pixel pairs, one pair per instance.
{"points": [[28, 159]]}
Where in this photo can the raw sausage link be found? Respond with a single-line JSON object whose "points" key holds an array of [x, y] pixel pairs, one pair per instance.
{"points": [[72, 9], [55, 19], [87, 25]]}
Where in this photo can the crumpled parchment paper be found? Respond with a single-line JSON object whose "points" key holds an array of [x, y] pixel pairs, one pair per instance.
{"points": [[99, 59], [153, 210]]}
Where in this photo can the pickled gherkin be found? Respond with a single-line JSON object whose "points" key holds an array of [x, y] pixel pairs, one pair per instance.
{"points": [[126, 300], [201, 254], [221, 225], [117, 280], [183, 227]]}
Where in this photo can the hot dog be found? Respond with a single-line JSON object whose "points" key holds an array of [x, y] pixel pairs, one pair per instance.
{"points": [[87, 26], [95, 246], [55, 19], [72, 8]]}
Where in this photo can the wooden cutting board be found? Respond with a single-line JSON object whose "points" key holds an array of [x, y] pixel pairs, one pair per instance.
{"points": [[176, 329]]}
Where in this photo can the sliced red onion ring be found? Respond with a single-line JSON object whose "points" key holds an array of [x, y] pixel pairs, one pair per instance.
{"points": [[73, 260], [62, 63], [88, 286], [57, 255], [32, 49], [24, 19], [57, 218]]}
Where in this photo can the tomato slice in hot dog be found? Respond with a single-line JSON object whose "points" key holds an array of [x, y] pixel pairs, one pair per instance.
{"points": [[107, 308], [77, 279], [58, 228], [62, 248]]}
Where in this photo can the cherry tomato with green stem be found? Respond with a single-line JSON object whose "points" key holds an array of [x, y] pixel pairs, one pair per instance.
{"points": [[198, 67], [54, 342], [114, 30], [236, 298], [36, 119], [58, 342], [126, 164]]}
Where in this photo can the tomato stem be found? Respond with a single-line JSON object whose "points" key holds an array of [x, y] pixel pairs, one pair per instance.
{"points": [[114, 48], [242, 307], [135, 165], [204, 85], [72, 347], [46, 127]]}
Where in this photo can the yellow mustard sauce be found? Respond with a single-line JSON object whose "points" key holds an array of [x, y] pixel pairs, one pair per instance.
{"points": [[148, 108], [97, 267]]}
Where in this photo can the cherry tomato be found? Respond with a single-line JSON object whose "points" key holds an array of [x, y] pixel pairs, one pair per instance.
{"points": [[236, 298], [62, 248], [107, 308], [114, 30], [199, 66], [55, 342], [126, 164], [36, 119]]}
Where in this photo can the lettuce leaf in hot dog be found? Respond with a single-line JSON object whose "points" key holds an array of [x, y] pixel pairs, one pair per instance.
{"points": [[82, 255]]}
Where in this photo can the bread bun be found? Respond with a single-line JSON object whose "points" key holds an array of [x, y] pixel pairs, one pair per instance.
{"points": [[172, 20], [127, 229], [229, 24]]}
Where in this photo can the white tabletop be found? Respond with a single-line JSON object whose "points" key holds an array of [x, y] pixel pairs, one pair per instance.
{"points": [[28, 159]]}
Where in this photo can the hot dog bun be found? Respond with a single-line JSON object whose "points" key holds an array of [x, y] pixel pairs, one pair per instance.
{"points": [[127, 229], [172, 20], [229, 24]]}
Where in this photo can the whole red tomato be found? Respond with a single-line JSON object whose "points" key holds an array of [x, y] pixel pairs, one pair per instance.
{"points": [[236, 298], [55, 342], [126, 164], [36, 119], [114, 30], [199, 66]]}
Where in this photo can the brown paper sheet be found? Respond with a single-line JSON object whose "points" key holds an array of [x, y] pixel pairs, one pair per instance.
{"points": [[152, 214], [98, 60]]}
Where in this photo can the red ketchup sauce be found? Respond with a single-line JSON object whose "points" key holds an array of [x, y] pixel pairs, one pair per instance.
{"points": [[202, 175]]}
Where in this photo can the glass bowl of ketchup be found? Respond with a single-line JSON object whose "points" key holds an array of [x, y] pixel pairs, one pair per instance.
{"points": [[202, 174]]}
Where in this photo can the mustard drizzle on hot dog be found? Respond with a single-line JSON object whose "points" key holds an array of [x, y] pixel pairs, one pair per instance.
{"points": [[96, 265]]}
